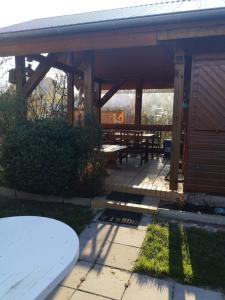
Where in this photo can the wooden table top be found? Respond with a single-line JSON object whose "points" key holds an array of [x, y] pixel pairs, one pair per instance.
{"points": [[144, 135], [35, 256], [112, 148]]}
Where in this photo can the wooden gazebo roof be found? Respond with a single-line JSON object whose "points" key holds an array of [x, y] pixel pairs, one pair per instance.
{"points": [[143, 29], [158, 12], [135, 47]]}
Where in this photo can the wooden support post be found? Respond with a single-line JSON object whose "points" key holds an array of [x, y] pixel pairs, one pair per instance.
{"points": [[89, 93], [97, 99], [70, 90], [177, 118], [20, 82], [138, 102]]}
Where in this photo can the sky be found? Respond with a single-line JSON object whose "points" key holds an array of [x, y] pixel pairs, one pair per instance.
{"points": [[16, 11]]}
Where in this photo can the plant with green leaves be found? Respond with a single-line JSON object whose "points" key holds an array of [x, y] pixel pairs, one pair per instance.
{"points": [[10, 112], [51, 156]]}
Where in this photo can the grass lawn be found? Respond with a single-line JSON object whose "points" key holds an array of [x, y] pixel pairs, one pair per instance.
{"points": [[189, 255], [75, 216]]}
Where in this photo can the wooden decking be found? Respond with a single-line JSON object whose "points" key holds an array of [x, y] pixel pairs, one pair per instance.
{"points": [[147, 180]]}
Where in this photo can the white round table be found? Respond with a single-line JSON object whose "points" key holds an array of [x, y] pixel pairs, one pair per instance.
{"points": [[35, 255]]}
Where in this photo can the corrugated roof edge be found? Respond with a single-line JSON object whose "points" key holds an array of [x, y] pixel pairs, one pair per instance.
{"points": [[97, 11], [194, 15]]}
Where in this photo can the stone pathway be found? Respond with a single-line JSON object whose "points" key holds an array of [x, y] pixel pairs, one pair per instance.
{"points": [[107, 255]]}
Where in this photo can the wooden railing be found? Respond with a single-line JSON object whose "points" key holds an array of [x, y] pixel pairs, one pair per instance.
{"points": [[137, 127]]}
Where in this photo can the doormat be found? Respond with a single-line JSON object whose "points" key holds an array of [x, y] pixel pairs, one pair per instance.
{"points": [[125, 197], [120, 217]]}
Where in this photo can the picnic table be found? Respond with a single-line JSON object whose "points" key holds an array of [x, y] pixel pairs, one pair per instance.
{"points": [[36, 254], [144, 135], [111, 153]]}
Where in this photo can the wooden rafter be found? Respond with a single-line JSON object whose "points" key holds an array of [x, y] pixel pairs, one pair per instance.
{"points": [[39, 74], [115, 88], [60, 66], [177, 118], [56, 64]]}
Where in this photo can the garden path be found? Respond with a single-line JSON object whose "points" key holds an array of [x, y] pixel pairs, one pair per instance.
{"points": [[104, 269]]}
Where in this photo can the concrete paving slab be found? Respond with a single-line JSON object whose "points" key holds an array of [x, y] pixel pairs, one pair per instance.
{"points": [[77, 275], [145, 221], [86, 296], [184, 292], [106, 282], [145, 288], [118, 256], [90, 249], [98, 231], [61, 293], [98, 213], [128, 236]]}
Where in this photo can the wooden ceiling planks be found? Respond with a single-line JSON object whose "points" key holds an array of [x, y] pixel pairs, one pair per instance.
{"points": [[152, 64]]}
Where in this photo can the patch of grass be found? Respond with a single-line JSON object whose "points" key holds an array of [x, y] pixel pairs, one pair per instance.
{"points": [[75, 216], [189, 255]]}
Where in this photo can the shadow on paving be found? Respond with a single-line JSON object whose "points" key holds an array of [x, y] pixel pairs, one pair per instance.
{"points": [[94, 239]]}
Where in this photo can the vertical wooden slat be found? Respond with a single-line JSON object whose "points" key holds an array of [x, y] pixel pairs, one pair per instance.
{"points": [[20, 82], [89, 94], [70, 90], [177, 118], [205, 149], [138, 102]]}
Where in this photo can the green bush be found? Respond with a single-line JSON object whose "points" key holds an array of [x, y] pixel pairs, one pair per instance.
{"points": [[93, 169], [92, 177], [47, 156], [10, 109]]}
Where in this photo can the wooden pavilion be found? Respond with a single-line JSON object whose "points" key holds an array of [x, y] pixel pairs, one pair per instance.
{"points": [[177, 44]]}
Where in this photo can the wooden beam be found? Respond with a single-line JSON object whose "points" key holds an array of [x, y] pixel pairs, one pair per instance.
{"points": [[78, 42], [115, 88], [70, 90], [167, 128], [89, 93], [138, 102], [177, 118], [97, 98], [192, 30], [56, 64], [20, 82], [121, 38], [39, 74]]}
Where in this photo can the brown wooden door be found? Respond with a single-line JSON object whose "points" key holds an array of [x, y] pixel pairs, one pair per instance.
{"points": [[205, 165]]}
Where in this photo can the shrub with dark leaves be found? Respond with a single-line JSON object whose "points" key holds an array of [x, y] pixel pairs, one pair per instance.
{"points": [[46, 156]]}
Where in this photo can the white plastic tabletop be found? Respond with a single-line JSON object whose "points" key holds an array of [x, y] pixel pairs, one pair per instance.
{"points": [[35, 255]]}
